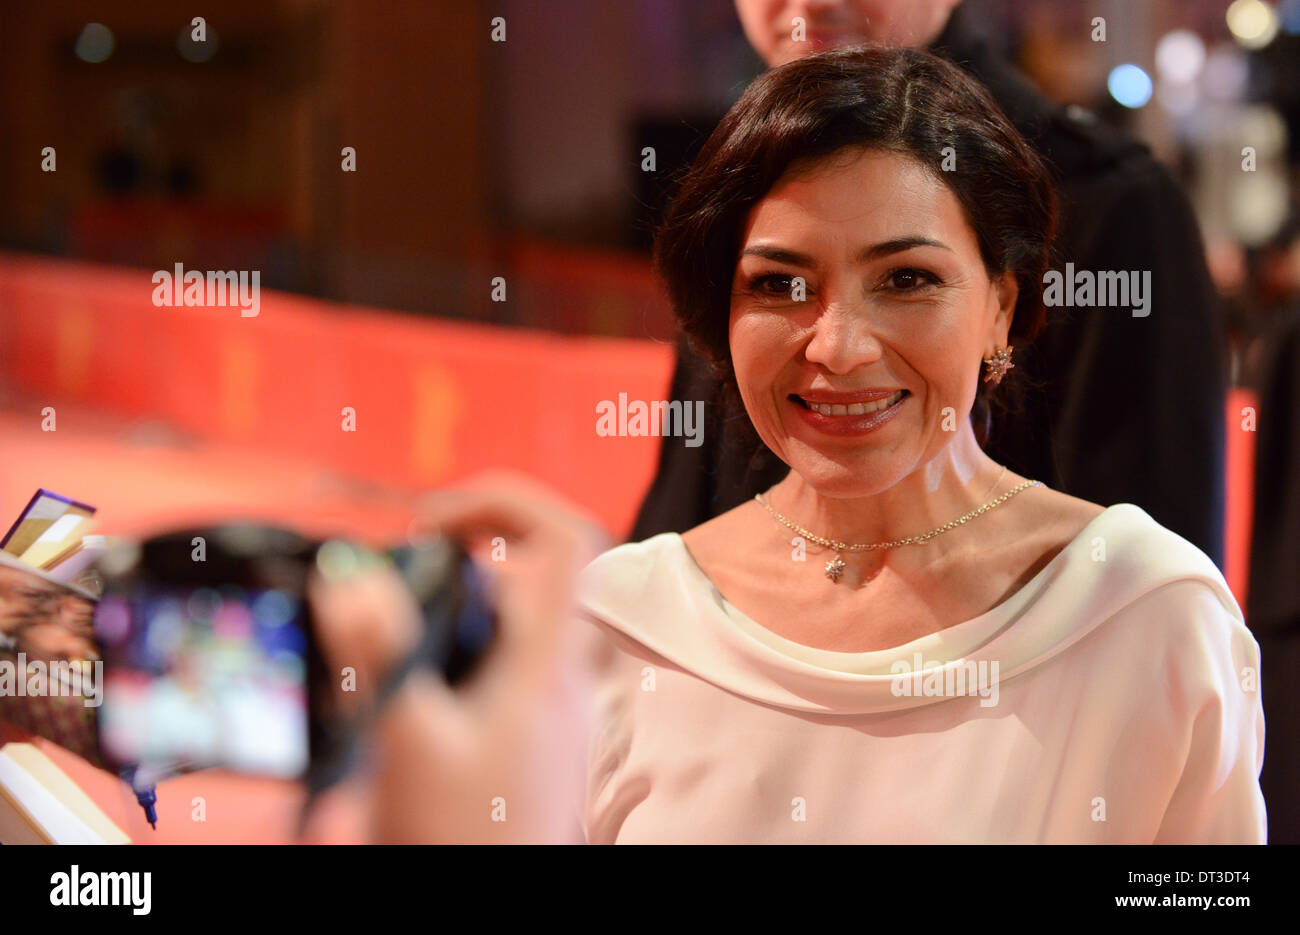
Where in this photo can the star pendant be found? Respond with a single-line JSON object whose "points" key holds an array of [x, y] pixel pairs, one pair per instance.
{"points": [[835, 568]]}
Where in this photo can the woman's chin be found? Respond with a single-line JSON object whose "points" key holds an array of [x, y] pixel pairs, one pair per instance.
{"points": [[847, 476]]}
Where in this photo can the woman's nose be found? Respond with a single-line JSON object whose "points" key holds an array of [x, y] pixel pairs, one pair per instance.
{"points": [[843, 338]]}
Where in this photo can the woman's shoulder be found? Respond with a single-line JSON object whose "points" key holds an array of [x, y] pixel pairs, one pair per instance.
{"points": [[1059, 508], [628, 574], [1130, 539], [1122, 535], [1100, 563], [1148, 594], [1122, 557], [632, 554]]}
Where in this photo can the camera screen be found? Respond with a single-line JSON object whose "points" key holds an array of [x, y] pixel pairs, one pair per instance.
{"points": [[205, 677]]}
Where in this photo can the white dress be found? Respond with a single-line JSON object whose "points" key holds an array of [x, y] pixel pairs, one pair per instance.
{"points": [[1113, 699]]}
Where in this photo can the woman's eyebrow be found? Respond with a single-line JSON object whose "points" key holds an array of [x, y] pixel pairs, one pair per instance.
{"points": [[865, 255]]}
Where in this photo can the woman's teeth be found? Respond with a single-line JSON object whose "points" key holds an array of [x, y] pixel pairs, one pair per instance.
{"points": [[856, 409]]}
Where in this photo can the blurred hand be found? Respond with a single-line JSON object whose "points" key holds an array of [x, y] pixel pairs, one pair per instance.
{"points": [[367, 622], [509, 742]]}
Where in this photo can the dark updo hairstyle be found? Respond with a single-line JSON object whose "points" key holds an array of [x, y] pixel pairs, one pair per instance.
{"points": [[898, 100]]}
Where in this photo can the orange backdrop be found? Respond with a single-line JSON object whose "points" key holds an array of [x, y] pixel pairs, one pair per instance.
{"points": [[434, 400]]}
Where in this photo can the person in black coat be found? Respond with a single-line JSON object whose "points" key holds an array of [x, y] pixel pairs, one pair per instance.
{"points": [[1272, 370], [1113, 408]]}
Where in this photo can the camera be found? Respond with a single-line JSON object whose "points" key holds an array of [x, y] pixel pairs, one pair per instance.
{"points": [[212, 659]]}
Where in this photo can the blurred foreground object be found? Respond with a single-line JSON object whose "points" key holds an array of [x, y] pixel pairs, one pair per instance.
{"points": [[39, 804], [48, 586]]}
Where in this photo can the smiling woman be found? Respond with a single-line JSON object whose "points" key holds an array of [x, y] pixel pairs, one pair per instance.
{"points": [[859, 241], [951, 142], [889, 262]]}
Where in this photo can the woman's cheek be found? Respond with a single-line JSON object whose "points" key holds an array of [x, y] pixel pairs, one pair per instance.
{"points": [[760, 345], [940, 339]]}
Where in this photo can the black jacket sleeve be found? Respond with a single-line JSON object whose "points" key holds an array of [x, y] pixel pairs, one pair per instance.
{"points": [[1273, 599], [1139, 414]]}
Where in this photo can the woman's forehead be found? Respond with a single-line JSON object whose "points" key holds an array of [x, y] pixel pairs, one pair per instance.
{"points": [[872, 195]]}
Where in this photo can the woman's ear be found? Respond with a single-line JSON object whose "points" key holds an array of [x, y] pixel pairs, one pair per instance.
{"points": [[1006, 290]]}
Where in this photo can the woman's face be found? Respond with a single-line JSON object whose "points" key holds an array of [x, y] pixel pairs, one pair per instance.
{"points": [[895, 316]]}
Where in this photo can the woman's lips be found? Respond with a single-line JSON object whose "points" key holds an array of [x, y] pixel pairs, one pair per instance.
{"points": [[850, 423]]}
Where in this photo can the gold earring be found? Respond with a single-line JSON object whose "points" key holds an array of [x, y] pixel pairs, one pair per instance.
{"points": [[998, 364]]}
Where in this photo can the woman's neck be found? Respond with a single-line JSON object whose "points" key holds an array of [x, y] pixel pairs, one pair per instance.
{"points": [[952, 483]]}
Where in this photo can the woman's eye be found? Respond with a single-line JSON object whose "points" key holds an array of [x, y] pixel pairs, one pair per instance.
{"points": [[772, 284], [910, 280]]}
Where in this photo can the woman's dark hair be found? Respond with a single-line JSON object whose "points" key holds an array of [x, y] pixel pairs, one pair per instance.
{"points": [[899, 100]]}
